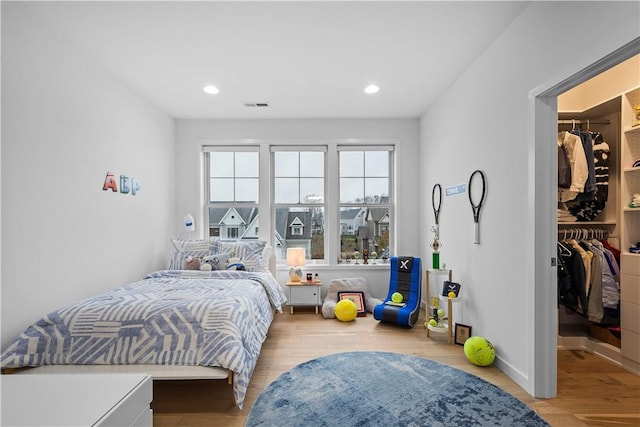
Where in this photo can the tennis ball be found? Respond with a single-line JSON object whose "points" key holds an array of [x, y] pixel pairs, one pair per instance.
{"points": [[479, 351], [451, 294], [396, 297], [346, 310], [441, 313], [433, 322]]}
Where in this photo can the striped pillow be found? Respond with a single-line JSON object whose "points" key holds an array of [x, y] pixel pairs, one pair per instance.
{"points": [[183, 248], [249, 252]]}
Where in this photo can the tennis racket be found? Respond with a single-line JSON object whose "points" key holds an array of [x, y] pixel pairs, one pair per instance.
{"points": [[477, 207], [436, 207]]}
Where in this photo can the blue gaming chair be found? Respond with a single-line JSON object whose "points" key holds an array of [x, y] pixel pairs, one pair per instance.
{"points": [[405, 278]]}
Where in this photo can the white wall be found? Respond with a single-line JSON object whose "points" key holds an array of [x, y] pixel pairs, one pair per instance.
{"points": [[65, 123], [189, 133], [484, 121]]}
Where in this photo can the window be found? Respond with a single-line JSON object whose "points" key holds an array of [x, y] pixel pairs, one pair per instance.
{"points": [[299, 200], [304, 189], [232, 232], [232, 191], [365, 200]]}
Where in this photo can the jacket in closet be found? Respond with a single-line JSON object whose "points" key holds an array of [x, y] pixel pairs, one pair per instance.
{"points": [[578, 164], [571, 279]]}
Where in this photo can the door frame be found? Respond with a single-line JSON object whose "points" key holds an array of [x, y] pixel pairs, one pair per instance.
{"points": [[541, 217]]}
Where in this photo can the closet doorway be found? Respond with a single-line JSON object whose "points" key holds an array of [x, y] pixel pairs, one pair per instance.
{"points": [[600, 114], [542, 219]]}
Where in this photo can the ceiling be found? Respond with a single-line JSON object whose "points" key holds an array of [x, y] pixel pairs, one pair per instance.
{"points": [[305, 59]]}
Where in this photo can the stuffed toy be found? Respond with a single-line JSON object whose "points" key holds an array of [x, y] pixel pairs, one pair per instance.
{"points": [[217, 261], [191, 263], [235, 263]]}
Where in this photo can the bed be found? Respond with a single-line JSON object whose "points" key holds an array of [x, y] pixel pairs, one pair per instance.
{"points": [[171, 324]]}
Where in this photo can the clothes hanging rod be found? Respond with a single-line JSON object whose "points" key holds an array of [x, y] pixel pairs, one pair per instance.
{"points": [[583, 233], [584, 122]]}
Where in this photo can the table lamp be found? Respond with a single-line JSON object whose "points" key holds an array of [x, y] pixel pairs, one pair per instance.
{"points": [[295, 260]]}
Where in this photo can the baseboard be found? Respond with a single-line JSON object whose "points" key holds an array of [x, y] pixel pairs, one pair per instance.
{"points": [[514, 374], [599, 348]]}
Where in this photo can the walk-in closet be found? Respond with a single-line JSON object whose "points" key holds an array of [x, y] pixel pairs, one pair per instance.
{"points": [[598, 216]]}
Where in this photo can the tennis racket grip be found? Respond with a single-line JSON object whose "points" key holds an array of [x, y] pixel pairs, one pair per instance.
{"points": [[477, 237]]}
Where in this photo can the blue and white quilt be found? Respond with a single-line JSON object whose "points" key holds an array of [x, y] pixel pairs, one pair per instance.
{"points": [[171, 317]]}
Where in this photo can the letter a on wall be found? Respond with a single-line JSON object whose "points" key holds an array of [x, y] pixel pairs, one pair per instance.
{"points": [[110, 183]]}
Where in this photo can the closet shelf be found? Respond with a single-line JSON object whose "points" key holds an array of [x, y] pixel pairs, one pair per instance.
{"points": [[585, 223], [633, 129], [631, 210], [636, 169]]}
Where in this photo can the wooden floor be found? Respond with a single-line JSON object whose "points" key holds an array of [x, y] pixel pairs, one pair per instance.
{"points": [[591, 391]]}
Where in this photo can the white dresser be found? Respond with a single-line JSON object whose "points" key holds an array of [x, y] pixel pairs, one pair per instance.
{"points": [[106, 400]]}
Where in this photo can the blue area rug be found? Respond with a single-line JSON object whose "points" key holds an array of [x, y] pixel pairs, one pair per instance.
{"points": [[385, 389]]}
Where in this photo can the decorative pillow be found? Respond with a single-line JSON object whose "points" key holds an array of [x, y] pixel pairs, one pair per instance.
{"points": [[183, 248], [249, 252], [217, 261]]}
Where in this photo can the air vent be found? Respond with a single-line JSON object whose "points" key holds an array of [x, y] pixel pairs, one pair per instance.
{"points": [[256, 104]]}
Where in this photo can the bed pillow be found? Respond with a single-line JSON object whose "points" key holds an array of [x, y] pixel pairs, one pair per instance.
{"points": [[249, 252], [183, 248]]}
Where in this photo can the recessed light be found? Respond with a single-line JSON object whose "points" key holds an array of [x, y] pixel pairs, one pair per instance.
{"points": [[371, 89], [211, 90]]}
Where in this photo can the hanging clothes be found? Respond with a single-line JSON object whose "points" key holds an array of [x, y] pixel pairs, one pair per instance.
{"points": [[610, 279], [578, 164], [571, 278], [587, 280], [588, 193], [591, 204], [564, 168]]}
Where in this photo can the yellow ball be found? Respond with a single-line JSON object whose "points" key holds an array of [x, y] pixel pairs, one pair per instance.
{"points": [[479, 351], [396, 297], [451, 294], [346, 310]]}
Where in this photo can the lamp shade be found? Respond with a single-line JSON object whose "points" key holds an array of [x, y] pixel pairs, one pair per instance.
{"points": [[295, 259]]}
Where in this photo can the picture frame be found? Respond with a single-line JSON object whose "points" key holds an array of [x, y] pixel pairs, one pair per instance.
{"points": [[462, 332], [357, 297]]}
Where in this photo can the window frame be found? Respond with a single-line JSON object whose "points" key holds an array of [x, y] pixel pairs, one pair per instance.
{"points": [[207, 150], [390, 149], [304, 205], [266, 222]]}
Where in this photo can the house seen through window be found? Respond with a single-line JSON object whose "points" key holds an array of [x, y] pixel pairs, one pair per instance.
{"points": [[298, 180]]}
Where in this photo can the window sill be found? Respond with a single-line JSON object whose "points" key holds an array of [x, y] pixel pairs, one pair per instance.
{"points": [[350, 266], [377, 265]]}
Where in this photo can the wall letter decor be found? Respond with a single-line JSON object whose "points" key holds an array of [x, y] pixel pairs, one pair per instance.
{"points": [[127, 184]]}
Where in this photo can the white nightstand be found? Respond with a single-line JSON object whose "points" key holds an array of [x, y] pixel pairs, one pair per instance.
{"points": [[304, 293]]}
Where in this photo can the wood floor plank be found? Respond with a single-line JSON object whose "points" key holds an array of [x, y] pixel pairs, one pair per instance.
{"points": [[591, 390]]}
